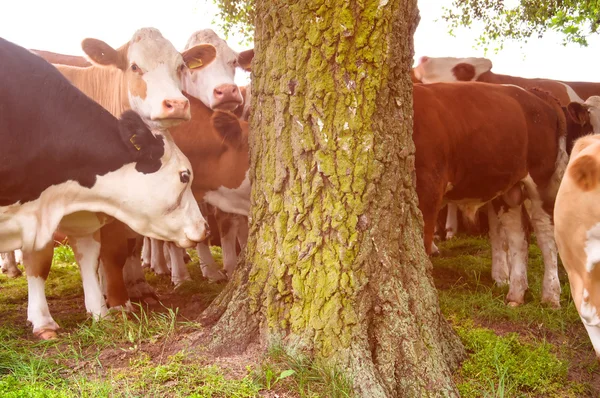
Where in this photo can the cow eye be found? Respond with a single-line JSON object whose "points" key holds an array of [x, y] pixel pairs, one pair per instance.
{"points": [[134, 67], [184, 176], [181, 67]]}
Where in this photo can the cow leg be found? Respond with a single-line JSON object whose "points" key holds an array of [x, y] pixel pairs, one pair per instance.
{"points": [[158, 261], [146, 252], [451, 221], [210, 269], [113, 254], [37, 267], [500, 268], [179, 272], [228, 231], [243, 231], [544, 233], [87, 253], [512, 221], [135, 280], [8, 263], [429, 203]]}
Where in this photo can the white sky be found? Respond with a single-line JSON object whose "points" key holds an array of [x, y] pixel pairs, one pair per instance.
{"points": [[60, 25]]}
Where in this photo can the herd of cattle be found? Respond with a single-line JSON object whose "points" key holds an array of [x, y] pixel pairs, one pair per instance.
{"points": [[137, 190]]}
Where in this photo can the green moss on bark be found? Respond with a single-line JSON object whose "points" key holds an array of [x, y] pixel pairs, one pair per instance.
{"points": [[335, 256]]}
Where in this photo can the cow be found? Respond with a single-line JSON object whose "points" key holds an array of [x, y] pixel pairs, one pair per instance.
{"points": [[450, 69], [216, 142], [210, 85], [8, 263], [62, 59], [577, 220], [486, 147], [67, 162]]}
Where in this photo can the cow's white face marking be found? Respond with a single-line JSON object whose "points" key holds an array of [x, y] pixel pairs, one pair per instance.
{"points": [[232, 200], [154, 75], [439, 69], [202, 83], [594, 109]]}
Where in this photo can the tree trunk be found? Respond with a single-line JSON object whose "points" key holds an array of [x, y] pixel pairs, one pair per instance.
{"points": [[335, 258]]}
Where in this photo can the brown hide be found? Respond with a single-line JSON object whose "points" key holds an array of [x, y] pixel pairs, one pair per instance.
{"points": [[483, 144]]}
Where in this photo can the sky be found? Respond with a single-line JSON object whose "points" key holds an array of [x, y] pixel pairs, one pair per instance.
{"points": [[61, 25]]}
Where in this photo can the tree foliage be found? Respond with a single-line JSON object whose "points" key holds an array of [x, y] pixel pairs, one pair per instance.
{"points": [[575, 19], [237, 16]]}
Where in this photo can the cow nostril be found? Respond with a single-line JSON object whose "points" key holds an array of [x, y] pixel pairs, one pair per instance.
{"points": [[168, 105]]}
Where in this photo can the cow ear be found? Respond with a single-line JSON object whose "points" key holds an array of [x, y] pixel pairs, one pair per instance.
{"points": [[100, 53], [245, 59], [579, 113], [145, 148], [199, 56], [228, 126], [585, 172], [464, 72]]}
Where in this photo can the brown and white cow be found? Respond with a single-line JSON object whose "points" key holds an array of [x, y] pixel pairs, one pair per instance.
{"points": [[143, 75], [489, 146], [577, 225], [215, 86]]}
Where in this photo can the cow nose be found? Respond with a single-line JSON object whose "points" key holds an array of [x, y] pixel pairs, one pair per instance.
{"points": [[424, 59], [227, 94], [175, 108]]}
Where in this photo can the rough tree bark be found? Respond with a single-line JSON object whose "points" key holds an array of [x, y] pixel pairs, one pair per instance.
{"points": [[335, 257]]}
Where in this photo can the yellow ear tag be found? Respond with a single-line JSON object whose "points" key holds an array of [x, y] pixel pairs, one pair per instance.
{"points": [[134, 144], [195, 63]]}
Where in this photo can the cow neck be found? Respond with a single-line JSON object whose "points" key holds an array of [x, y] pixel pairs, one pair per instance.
{"points": [[105, 85], [215, 163]]}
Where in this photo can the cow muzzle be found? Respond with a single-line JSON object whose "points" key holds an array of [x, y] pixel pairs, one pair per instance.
{"points": [[173, 109], [194, 235], [227, 97]]}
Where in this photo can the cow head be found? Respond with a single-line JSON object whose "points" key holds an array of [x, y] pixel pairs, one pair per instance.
{"points": [[215, 85], [154, 161], [151, 73], [449, 69]]}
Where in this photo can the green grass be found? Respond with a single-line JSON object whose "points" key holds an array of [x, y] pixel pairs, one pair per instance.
{"points": [[287, 369], [512, 352], [472, 294], [529, 351]]}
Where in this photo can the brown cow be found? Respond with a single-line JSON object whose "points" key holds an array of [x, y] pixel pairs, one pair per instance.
{"points": [[487, 146]]}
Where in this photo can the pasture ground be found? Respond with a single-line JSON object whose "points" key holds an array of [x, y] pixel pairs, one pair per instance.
{"points": [[530, 351]]}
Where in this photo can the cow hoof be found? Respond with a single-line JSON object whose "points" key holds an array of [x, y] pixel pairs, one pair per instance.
{"points": [[555, 304], [513, 304], [46, 334], [215, 276], [141, 290], [501, 283], [146, 265], [180, 284], [127, 307], [13, 273]]}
